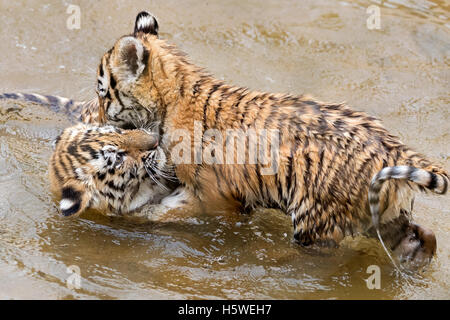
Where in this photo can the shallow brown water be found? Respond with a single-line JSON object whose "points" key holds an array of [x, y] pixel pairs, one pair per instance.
{"points": [[399, 73]]}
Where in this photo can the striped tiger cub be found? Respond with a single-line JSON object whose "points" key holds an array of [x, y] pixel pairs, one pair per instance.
{"points": [[339, 172], [112, 170]]}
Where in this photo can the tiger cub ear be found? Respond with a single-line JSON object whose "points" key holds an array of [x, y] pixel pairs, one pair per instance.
{"points": [[74, 199], [132, 58], [146, 23]]}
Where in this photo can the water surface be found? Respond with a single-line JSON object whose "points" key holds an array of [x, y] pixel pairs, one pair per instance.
{"points": [[399, 73]]}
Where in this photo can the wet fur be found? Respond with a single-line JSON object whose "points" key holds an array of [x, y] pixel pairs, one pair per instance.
{"points": [[328, 156], [107, 169]]}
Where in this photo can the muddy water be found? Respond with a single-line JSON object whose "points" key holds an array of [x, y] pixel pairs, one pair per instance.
{"points": [[399, 73]]}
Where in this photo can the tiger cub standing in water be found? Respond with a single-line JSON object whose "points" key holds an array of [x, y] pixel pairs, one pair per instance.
{"points": [[339, 173]]}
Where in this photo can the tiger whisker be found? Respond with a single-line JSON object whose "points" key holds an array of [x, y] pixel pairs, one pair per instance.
{"points": [[139, 118], [150, 174], [165, 174]]}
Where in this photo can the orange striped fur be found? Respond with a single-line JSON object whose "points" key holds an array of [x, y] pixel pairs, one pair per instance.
{"points": [[327, 157]]}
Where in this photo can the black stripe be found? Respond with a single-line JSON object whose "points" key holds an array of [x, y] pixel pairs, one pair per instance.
{"points": [[262, 186], [343, 172], [210, 93], [63, 165], [247, 178], [73, 209], [374, 200], [67, 107], [328, 170], [117, 95], [69, 159], [279, 187], [300, 216], [111, 185], [224, 94], [73, 195], [196, 87], [57, 140], [433, 182], [54, 102], [213, 89], [218, 183], [182, 80], [319, 166], [444, 191], [359, 174], [92, 152], [289, 174], [409, 172], [112, 82], [10, 96], [57, 173], [292, 172], [70, 193], [32, 98], [242, 94], [219, 108], [244, 114], [101, 176], [273, 116], [310, 102], [145, 56], [73, 150]]}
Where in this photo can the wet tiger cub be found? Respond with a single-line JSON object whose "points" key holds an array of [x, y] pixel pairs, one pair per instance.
{"points": [[339, 171], [114, 171]]}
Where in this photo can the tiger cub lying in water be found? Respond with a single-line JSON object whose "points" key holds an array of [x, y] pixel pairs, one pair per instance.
{"points": [[106, 168], [112, 170]]}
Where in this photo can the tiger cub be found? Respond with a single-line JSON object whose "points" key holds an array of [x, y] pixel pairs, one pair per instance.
{"points": [[339, 171], [115, 171], [111, 170]]}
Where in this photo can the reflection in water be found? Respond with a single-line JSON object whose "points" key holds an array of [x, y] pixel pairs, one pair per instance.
{"points": [[399, 73]]}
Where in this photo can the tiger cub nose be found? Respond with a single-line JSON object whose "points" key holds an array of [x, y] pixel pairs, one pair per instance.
{"points": [[142, 140], [151, 141]]}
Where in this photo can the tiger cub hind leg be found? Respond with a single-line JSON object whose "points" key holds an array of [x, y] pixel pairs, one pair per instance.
{"points": [[412, 245], [317, 225]]}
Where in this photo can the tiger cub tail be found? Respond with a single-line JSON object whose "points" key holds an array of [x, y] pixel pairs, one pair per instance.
{"points": [[419, 171], [436, 182], [73, 109]]}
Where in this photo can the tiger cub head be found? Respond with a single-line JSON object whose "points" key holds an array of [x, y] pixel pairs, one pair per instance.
{"points": [[109, 169], [128, 96]]}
